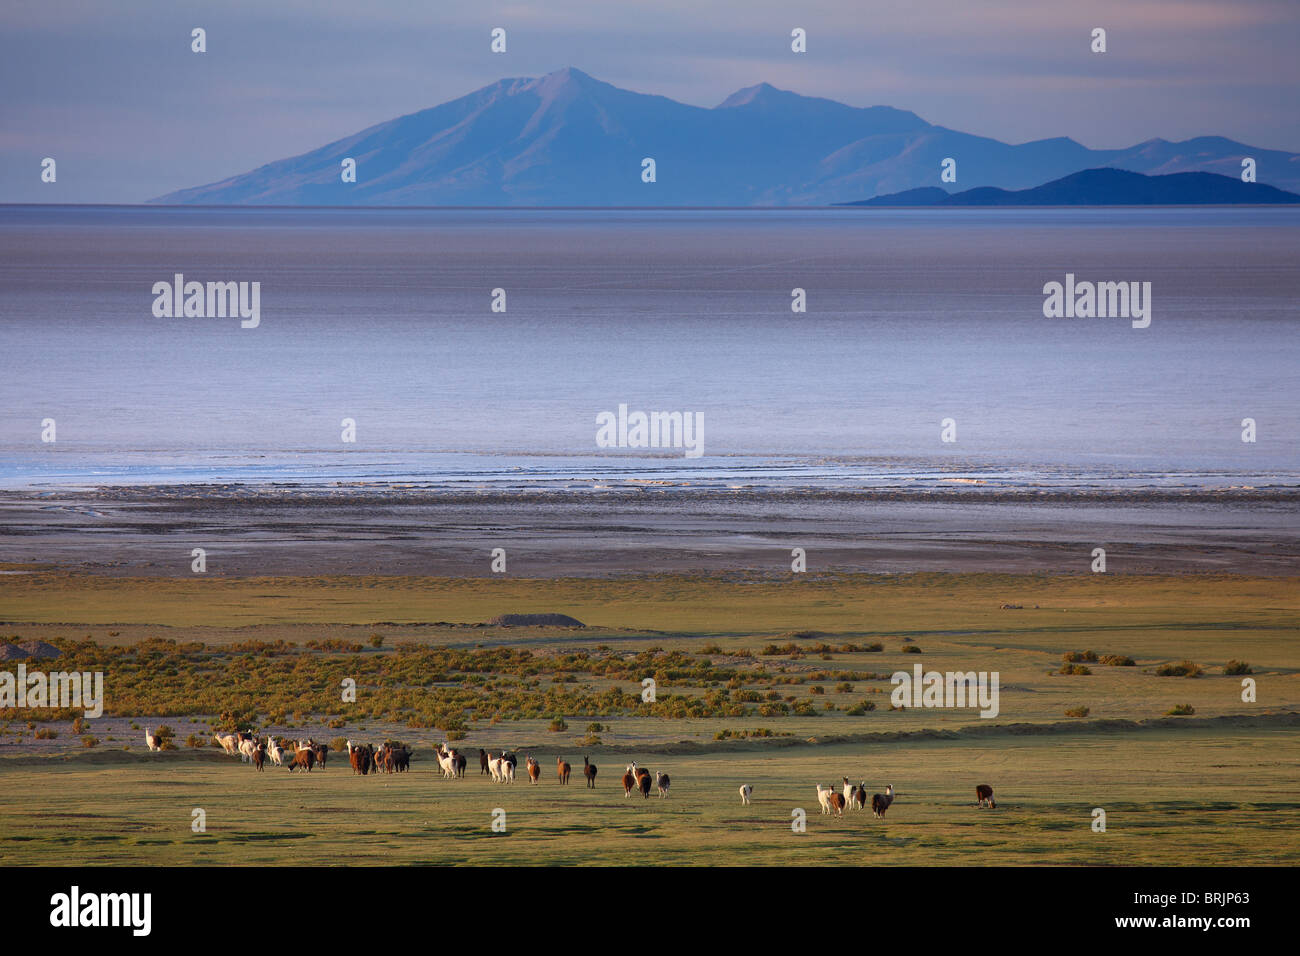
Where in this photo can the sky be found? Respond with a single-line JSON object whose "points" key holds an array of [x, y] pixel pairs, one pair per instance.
{"points": [[112, 91]]}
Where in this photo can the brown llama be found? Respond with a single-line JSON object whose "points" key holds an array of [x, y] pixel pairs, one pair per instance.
{"points": [[563, 769], [984, 793], [589, 771]]}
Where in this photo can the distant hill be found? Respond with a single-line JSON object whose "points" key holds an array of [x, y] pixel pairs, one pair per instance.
{"points": [[1101, 187], [567, 139]]}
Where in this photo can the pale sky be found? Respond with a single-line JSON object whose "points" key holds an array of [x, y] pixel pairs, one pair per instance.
{"points": [[111, 90]]}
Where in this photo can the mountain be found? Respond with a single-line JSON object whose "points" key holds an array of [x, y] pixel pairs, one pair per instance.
{"points": [[567, 139], [1101, 187]]}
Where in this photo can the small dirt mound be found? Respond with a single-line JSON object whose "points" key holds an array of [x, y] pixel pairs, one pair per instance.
{"points": [[22, 650], [535, 620]]}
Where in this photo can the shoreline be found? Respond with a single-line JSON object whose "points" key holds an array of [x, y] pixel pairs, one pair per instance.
{"points": [[254, 531]]}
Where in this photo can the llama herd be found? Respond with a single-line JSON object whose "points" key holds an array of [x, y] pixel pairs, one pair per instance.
{"points": [[852, 796], [637, 780], [303, 755], [396, 758]]}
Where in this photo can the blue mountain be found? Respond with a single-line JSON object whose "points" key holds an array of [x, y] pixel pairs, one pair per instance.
{"points": [[1101, 187], [567, 139]]}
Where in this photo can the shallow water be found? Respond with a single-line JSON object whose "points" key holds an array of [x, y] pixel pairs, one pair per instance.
{"points": [[383, 316]]}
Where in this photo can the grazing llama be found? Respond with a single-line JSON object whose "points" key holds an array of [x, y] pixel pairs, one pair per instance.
{"points": [[984, 793], [746, 791]]}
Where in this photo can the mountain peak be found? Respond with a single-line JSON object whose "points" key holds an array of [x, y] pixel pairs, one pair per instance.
{"points": [[758, 94]]}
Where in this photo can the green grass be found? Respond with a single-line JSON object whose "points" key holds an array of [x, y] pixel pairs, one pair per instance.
{"points": [[1179, 790], [1195, 797]]}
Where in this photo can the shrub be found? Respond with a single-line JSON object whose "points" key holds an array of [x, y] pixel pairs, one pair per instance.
{"points": [[861, 709], [816, 689], [45, 733], [376, 640], [1117, 660], [79, 725], [1075, 669], [1077, 712], [454, 735], [1180, 710], [1234, 668], [192, 741], [89, 741], [1181, 669], [595, 727], [911, 649], [558, 725], [843, 687], [1078, 657], [339, 745]]}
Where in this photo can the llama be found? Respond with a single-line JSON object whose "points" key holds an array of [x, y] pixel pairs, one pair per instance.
{"points": [[643, 781], [507, 767], [880, 803], [589, 771], [322, 751], [482, 761], [277, 755], [446, 761], [629, 784], [304, 759], [228, 743], [259, 756], [361, 758], [746, 791], [824, 798], [152, 741], [246, 748], [837, 802], [534, 769], [848, 790], [494, 768], [562, 769], [661, 779], [858, 796], [459, 760], [984, 793]]}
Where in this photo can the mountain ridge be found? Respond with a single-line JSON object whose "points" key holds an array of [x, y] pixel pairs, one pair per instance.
{"points": [[1099, 187], [569, 139]]}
